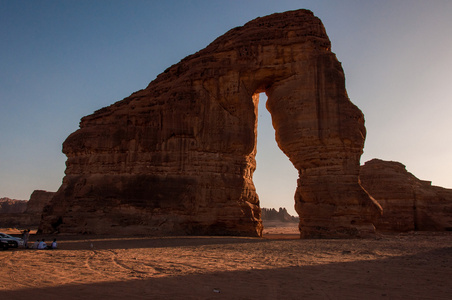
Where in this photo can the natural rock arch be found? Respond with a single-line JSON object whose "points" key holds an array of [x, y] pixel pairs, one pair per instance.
{"points": [[178, 157]]}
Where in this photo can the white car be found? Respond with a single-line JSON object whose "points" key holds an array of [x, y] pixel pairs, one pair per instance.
{"points": [[12, 241]]}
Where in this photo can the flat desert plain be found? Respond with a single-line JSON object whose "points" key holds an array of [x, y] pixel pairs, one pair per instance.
{"points": [[277, 266]]}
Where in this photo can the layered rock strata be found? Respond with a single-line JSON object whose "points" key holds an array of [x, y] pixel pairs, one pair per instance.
{"points": [[178, 157], [408, 203]]}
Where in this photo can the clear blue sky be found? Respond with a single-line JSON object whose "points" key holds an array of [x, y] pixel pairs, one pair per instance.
{"points": [[62, 60]]}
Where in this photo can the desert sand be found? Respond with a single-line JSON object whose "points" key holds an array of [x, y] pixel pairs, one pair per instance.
{"points": [[279, 266]]}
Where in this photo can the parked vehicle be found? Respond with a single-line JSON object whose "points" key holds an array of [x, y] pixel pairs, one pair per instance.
{"points": [[3, 244], [13, 242]]}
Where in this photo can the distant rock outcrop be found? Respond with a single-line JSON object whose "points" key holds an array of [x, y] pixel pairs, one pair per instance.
{"points": [[271, 214], [12, 206], [178, 157], [408, 203], [25, 213]]}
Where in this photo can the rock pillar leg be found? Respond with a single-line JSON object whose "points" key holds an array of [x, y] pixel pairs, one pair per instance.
{"points": [[323, 134]]}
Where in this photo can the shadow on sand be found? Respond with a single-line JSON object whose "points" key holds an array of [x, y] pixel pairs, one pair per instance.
{"points": [[425, 275]]}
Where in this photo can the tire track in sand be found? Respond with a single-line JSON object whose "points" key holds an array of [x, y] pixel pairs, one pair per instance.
{"points": [[127, 266]]}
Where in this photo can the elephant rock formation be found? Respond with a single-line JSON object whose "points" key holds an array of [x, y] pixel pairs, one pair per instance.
{"points": [[178, 156]]}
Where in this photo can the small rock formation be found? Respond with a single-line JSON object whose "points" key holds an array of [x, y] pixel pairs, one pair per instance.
{"points": [[38, 200], [408, 203], [26, 213], [178, 157]]}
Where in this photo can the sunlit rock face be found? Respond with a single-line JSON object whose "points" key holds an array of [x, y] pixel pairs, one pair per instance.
{"points": [[408, 203], [178, 157]]}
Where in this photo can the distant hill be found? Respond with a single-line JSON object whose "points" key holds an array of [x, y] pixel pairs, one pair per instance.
{"points": [[12, 206], [271, 214]]}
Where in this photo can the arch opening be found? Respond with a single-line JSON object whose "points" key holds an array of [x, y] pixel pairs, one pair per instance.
{"points": [[275, 178]]}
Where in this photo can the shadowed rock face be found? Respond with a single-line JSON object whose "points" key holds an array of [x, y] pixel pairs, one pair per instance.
{"points": [[12, 206], [23, 213], [178, 157], [38, 200]]}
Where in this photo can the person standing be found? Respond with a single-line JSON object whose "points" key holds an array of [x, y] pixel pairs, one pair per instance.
{"points": [[25, 236]]}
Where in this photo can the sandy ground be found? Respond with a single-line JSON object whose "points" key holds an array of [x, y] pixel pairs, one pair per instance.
{"points": [[278, 266]]}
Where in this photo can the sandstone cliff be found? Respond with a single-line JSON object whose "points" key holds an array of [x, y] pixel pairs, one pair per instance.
{"points": [[178, 157], [408, 203]]}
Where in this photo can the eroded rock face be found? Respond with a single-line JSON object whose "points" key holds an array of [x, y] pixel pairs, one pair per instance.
{"points": [[408, 203], [178, 157]]}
